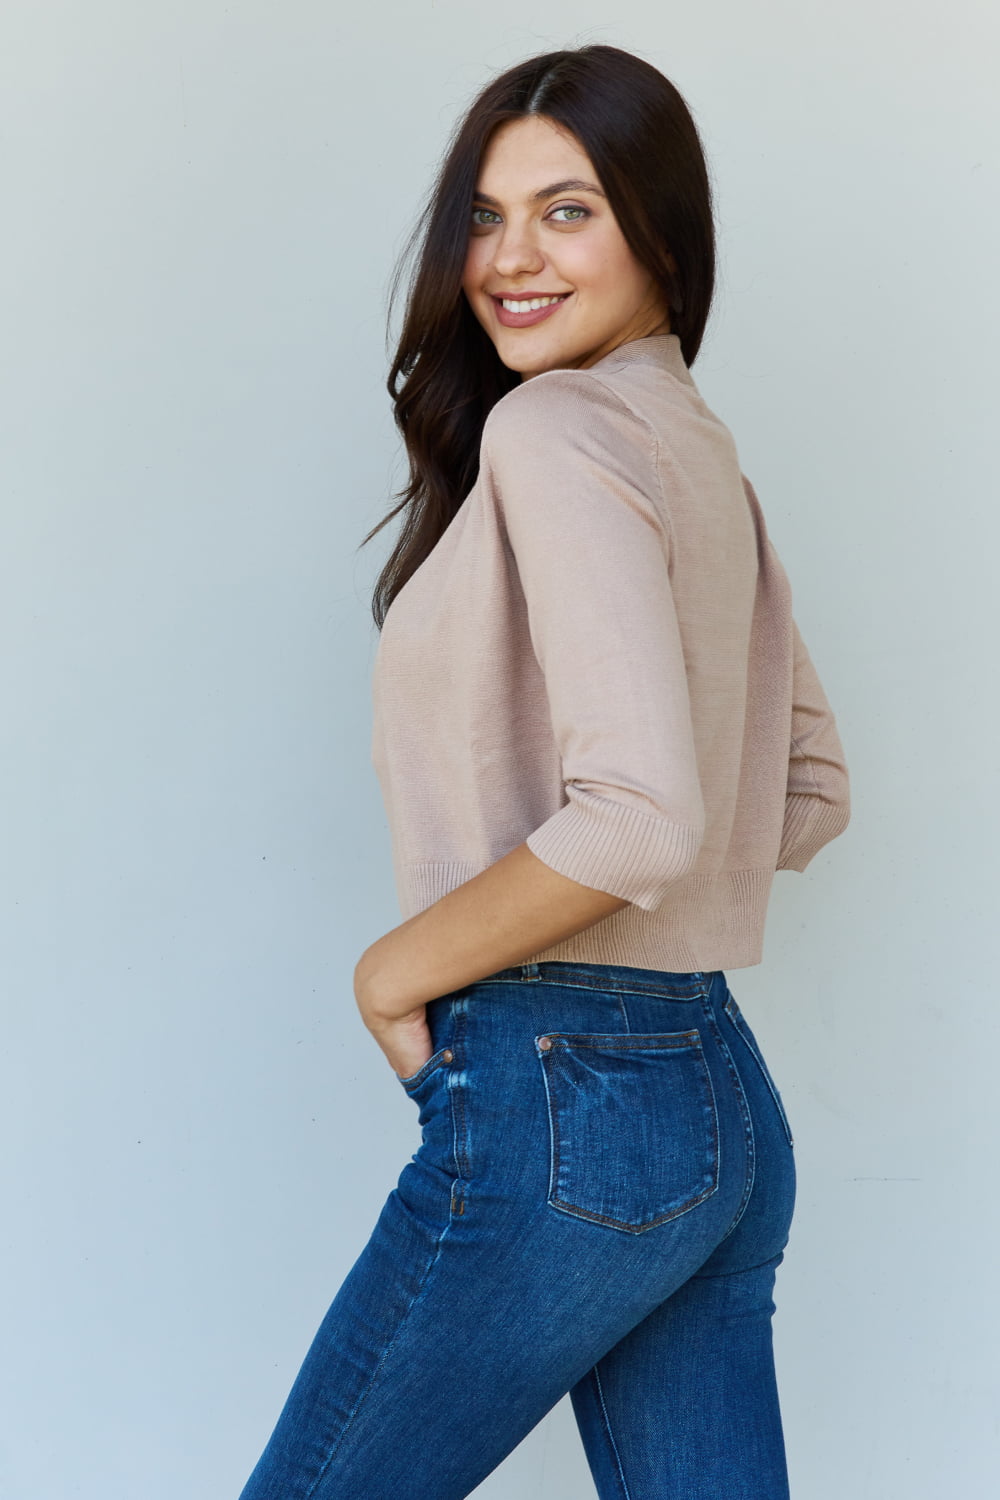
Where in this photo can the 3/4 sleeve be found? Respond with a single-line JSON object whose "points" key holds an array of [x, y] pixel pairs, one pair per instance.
{"points": [[817, 802], [575, 477]]}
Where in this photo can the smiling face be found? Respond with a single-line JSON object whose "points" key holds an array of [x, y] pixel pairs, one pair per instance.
{"points": [[541, 227]]}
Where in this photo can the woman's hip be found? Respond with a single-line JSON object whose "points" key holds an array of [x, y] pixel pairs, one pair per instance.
{"points": [[595, 1097]]}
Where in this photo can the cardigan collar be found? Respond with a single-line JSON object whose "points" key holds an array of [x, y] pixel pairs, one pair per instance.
{"points": [[662, 349]]}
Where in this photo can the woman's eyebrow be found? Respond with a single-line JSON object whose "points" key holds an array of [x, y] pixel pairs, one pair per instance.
{"points": [[571, 185]]}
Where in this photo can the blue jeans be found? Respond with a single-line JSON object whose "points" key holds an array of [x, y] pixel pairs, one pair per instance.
{"points": [[599, 1203]]}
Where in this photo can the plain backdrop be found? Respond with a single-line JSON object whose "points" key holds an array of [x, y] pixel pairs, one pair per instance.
{"points": [[201, 207]]}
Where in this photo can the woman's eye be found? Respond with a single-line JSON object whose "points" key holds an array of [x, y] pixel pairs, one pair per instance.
{"points": [[575, 210]]}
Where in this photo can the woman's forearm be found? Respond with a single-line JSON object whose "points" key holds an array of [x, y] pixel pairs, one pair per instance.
{"points": [[517, 906]]}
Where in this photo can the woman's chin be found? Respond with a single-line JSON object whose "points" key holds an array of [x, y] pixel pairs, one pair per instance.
{"points": [[528, 361]]}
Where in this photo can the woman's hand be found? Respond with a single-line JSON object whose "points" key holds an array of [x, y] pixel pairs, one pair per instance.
{"points": [[400, 1030]]}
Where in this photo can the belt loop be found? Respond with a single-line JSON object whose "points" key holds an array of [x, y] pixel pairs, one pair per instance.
{"points": [[529, 971]]}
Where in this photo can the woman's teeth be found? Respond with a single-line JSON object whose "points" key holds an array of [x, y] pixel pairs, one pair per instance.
{"points": [[530, 306]]}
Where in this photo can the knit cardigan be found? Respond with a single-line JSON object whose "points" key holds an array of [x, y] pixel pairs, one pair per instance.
{"points": [[599, 657]]}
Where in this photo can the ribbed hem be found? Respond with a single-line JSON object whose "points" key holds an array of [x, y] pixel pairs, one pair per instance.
{"points": [[613, 847], [708, 922], [809, 824]]}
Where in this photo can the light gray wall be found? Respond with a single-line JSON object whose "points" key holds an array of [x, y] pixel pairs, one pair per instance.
{"points": [[201, 206]]}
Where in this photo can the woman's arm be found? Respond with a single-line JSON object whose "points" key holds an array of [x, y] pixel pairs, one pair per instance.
{"points": [[818, 800], [517, 906]]}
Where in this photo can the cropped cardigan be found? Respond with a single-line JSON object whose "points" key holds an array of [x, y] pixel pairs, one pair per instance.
{"points": [[599, 657]]}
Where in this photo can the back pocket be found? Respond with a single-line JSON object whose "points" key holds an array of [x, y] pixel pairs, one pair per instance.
{"points": [[633, 1126], [740, 1022]]}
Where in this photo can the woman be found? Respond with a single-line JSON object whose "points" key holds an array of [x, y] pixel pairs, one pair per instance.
{"points": [[598, 734]]}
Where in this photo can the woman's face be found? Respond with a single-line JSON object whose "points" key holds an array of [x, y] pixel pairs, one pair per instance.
{"points": [[540, 226]]}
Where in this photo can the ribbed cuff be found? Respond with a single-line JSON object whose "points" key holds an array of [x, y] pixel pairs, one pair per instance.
{"points": [[809, 824], [614, 847]]}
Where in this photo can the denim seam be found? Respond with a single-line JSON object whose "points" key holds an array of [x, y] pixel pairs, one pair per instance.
{"points": [[590, 1217], [459, 1112], [573, 974], [626, 1493], [458, 1016], [739, 1021], [747, 1123], [608, 987], [420, 1292], [633, 1041], [550, 1195], [772, 1260]]}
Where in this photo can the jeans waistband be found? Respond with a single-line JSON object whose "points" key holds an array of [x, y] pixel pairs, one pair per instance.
{"points": [[614, 977]]}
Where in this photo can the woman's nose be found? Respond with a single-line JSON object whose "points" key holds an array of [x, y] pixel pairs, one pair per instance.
{"points": [[517, 253]]}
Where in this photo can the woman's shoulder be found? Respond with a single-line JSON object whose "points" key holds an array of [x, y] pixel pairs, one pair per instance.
{"points": [[566, 407]]}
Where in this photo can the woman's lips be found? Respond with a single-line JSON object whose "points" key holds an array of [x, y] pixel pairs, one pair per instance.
{"points": [[526, 319]]}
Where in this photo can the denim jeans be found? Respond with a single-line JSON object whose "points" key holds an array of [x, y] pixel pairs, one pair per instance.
{"points": [[598, 1205]]}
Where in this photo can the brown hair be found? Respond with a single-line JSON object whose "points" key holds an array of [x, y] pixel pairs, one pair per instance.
{"points": [[446, 374]]}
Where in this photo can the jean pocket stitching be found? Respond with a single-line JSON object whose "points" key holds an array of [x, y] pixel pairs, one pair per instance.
{"points": [[560, 1160], [741, 1024], [435, 1061]]}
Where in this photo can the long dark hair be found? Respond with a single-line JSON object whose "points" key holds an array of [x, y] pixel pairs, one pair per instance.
{"points": [[446, 374]]}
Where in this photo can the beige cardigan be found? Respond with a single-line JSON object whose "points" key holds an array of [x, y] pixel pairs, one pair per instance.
{"points": [[599, 657]]}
